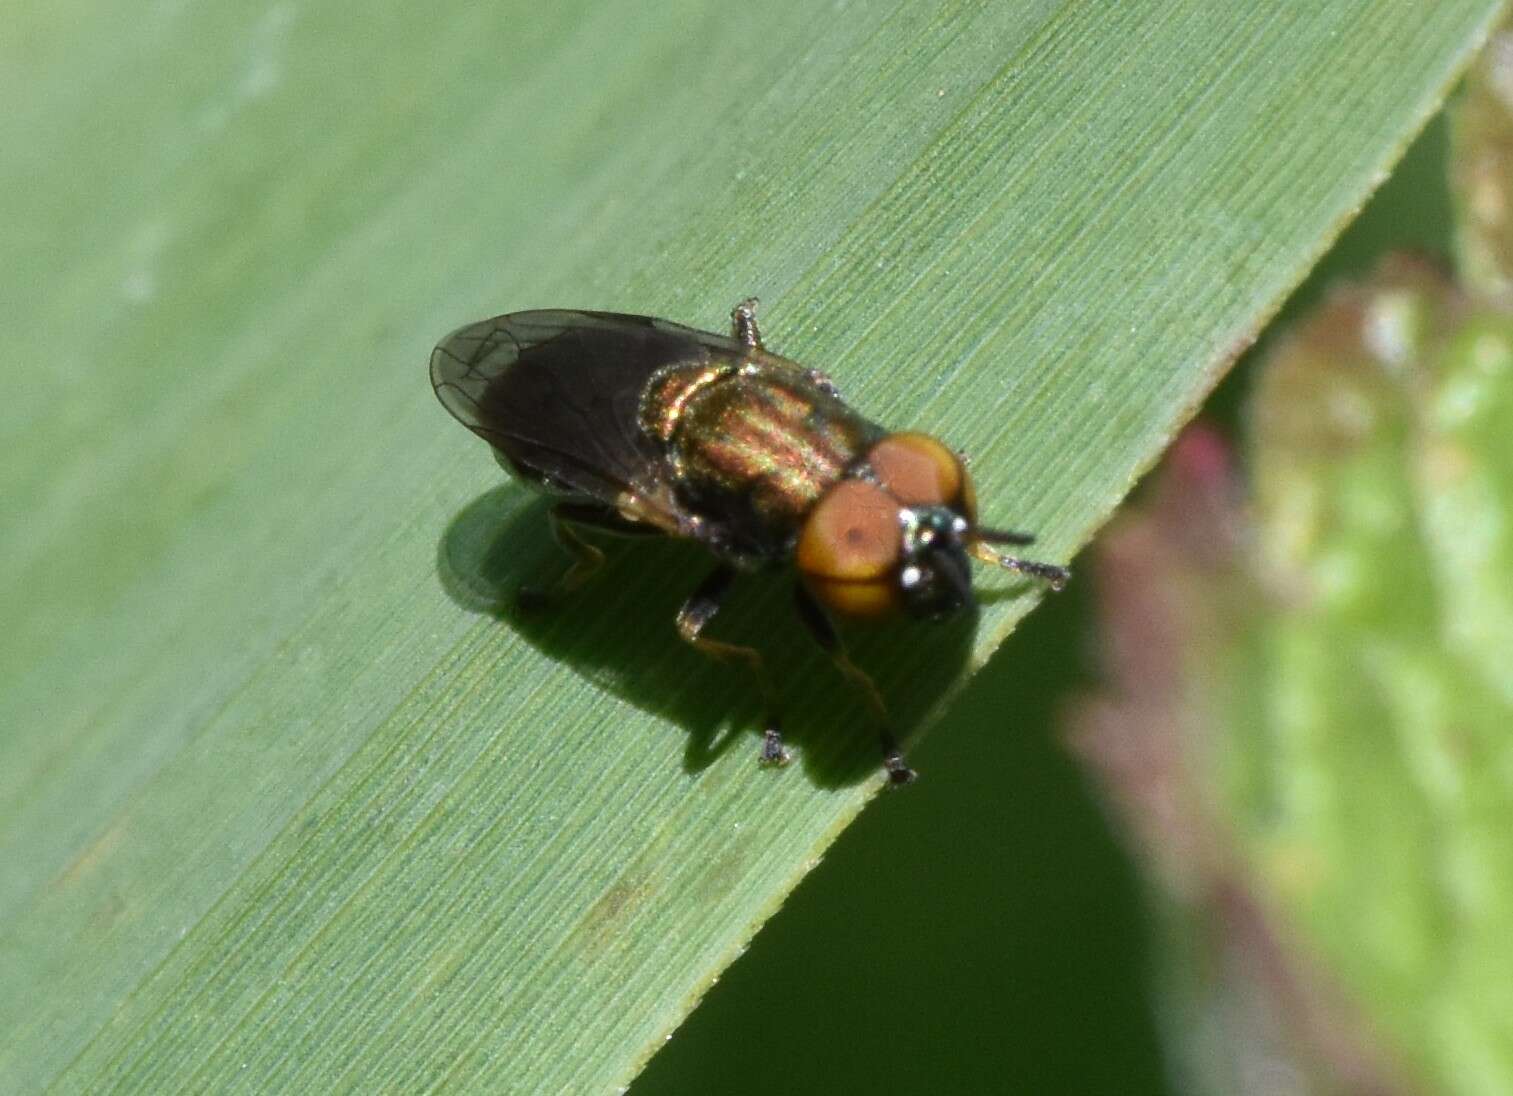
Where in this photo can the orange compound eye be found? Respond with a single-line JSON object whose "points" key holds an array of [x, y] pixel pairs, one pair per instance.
{"points": [[917, 470], [849, 550]]}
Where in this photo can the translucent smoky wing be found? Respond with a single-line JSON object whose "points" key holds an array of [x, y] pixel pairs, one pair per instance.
{"points": [[557, 394]]}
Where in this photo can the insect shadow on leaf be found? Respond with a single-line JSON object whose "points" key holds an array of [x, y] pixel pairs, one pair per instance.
{"points": [[617, 631]]}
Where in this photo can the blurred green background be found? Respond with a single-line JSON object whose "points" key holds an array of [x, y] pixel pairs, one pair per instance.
{"points": [[985, 931]]}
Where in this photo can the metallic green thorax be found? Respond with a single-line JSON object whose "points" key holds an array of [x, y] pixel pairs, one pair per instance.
{"points": [[757, 440]]}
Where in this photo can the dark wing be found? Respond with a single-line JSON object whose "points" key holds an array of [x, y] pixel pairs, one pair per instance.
{"points": [[557, 394]]}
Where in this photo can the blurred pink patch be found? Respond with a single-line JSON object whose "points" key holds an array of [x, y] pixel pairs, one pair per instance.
{"points": [[1173, 589]]}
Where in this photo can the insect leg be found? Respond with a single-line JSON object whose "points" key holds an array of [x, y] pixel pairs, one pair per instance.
{"points": [[823, 630], [1055, 577], [566, 518], [743, 324], [698, 611]]}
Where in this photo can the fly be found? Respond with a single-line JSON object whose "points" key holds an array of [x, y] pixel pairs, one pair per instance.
{"points": [[639, 426]]}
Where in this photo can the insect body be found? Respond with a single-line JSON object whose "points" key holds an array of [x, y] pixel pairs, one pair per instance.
{"points": [[641, 426]]}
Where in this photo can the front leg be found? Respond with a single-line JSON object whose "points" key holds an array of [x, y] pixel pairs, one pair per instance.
{"points": [[1054, 576], [820, 627]]}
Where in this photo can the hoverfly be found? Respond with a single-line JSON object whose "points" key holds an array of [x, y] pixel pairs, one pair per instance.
{"points": [[641, 426]]}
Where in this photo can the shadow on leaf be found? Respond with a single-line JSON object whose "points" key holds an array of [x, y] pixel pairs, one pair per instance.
{"points": [[618, 633]]}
